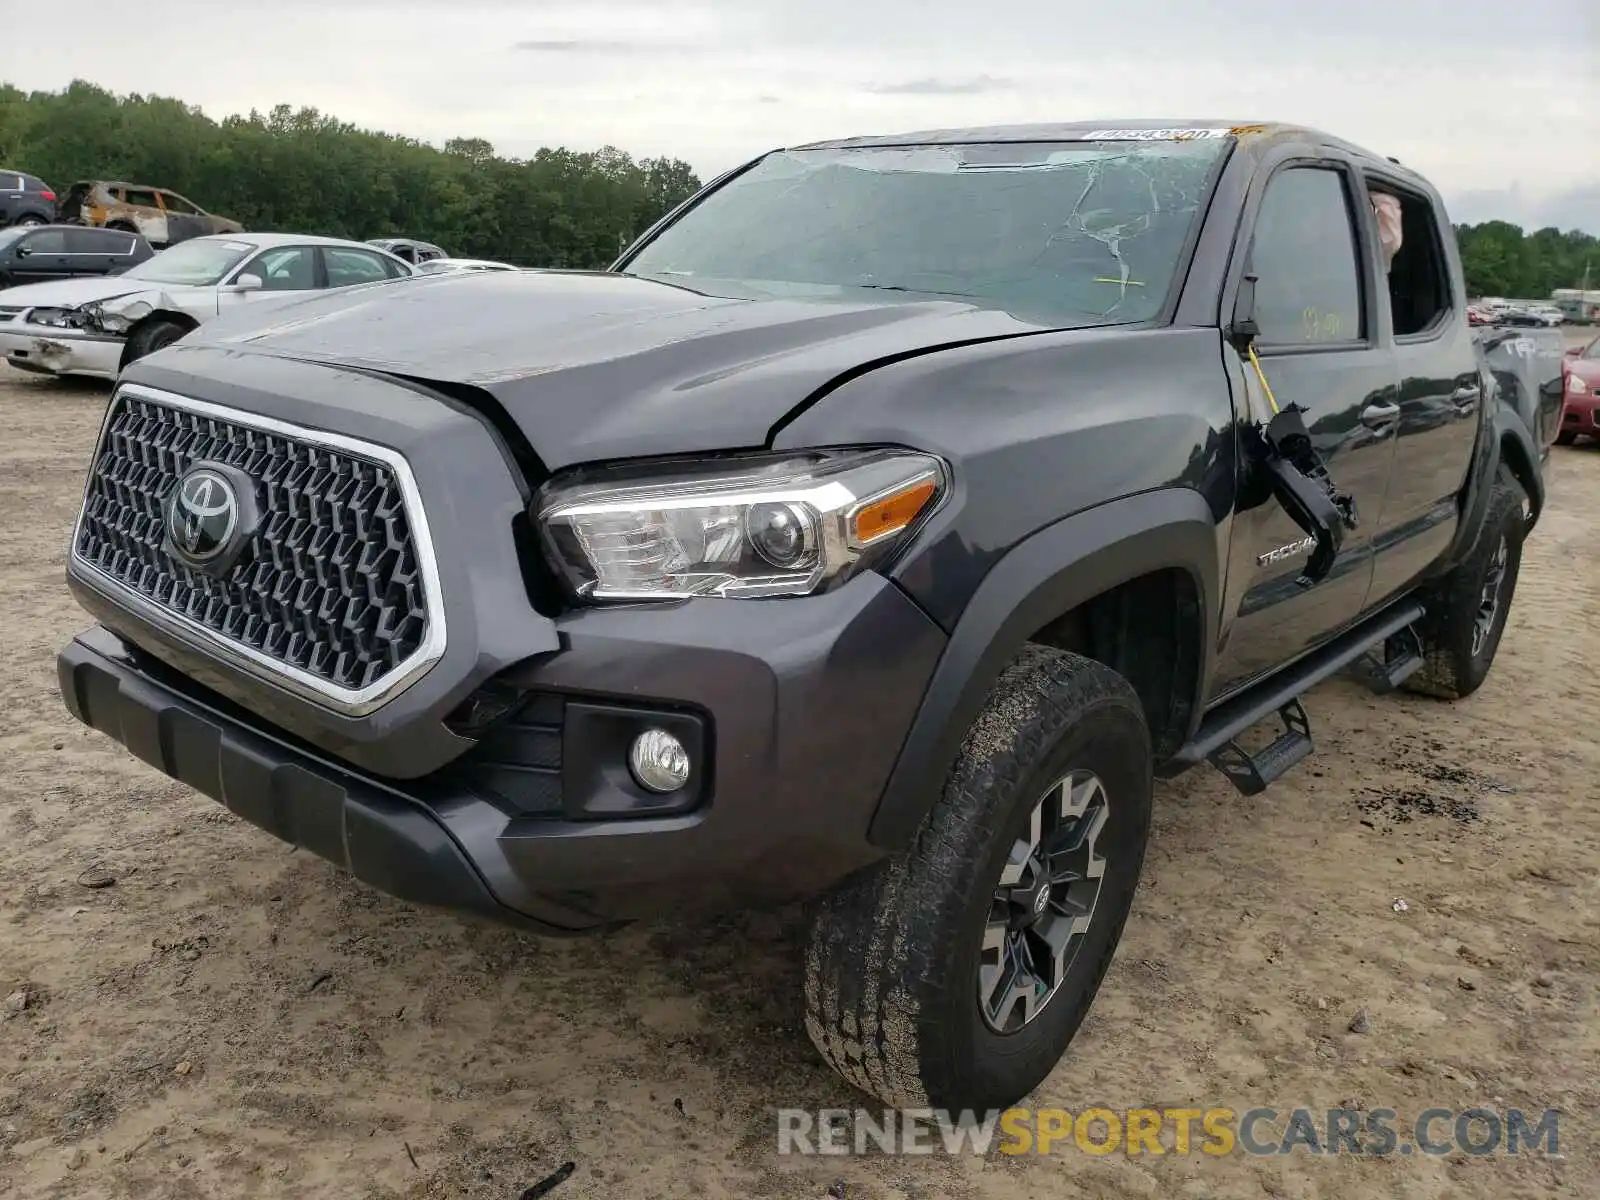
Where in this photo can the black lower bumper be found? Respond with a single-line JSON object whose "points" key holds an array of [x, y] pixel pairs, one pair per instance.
{"points": [[382, 837], [805, 709]]}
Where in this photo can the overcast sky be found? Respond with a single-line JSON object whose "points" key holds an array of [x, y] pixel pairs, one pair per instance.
{"points": [[1498, 103]]}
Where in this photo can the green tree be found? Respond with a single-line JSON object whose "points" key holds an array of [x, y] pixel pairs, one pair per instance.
{"points": [[1499, 259], [307, 171]]}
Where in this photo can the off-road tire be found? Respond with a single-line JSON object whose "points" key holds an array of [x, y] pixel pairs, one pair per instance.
{"points": [[1451, 668], [150, 337], [891, 972], [1566, 437]]}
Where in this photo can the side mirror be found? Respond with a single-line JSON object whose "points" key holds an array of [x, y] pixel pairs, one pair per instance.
{"points": [[249, 283]]}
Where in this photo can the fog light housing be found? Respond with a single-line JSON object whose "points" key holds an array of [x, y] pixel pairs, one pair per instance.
{"points": [[659, 761]]}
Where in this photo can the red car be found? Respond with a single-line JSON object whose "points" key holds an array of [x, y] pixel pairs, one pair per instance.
{"points": [[1580, 385]]}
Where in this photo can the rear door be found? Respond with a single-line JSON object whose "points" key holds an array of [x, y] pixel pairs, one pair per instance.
{"points": [[88, 250], [1440, 398], [1321, 349]]}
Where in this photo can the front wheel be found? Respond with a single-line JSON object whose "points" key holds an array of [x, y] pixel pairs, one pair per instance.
{"points": [[955, 973], [150, 337], [1467, 609]]}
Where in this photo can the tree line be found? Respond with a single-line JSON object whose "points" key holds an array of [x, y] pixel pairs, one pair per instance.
{"points": [[1499, 259], [306, 171], [301, 169]]}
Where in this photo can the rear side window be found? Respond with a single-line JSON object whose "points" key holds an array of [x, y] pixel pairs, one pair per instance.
{"points": [[1419, 288], [1308, 288], [98, 241], [10, 183], [347, 267]]}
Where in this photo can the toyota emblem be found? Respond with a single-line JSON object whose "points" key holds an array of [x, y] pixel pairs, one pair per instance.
{"points": [[203, 516]]}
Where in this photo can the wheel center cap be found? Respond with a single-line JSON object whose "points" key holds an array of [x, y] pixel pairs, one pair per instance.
{"points": [[1042, 900]]}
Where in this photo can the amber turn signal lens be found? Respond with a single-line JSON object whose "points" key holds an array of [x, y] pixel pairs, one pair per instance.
{"points": [[892, 513]]}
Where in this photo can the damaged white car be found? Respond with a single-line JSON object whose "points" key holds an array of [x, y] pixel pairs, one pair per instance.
{"points": [[97, 326]]}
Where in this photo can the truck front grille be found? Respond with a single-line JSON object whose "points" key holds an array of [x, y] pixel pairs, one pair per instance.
{"points": [[328, 588]]}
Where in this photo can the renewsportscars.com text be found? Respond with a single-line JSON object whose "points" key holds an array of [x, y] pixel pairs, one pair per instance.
{"points": [[1376, 1132]]}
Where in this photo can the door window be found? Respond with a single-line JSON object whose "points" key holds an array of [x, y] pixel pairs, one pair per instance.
{"points": [[46, 241], [1308, 288], [139, 197], [1419, 287], [175, 203], [347, 267], [285, 268], [98, 241]]}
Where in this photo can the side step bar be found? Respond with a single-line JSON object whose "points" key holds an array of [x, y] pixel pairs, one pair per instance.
{"points": [[1214, 740]]}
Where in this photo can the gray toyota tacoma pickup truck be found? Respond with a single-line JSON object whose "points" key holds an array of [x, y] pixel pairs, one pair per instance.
{"points": [[874, 531]]}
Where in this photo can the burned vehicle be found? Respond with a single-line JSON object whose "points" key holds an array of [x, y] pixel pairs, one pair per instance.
{"points": [[159, 215], [874, 531]]}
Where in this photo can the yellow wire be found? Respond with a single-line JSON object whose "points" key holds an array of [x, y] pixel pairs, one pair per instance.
{"points": [[1262, 375]]}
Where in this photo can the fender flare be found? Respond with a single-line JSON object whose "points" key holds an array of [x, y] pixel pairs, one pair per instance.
{"points": [[1505, 438], [1047, 574]]}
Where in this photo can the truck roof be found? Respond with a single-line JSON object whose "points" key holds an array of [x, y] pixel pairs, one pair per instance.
{"points": [[1141, 129]]}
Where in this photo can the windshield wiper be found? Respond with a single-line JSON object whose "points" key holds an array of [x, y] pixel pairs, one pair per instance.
{"points": [[895, 287]]}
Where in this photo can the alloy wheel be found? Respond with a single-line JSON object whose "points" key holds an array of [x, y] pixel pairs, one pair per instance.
{"points": [[1044, 903]]}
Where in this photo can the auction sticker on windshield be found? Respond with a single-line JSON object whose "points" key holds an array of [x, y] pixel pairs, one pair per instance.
{"points": [[1152, 135]]}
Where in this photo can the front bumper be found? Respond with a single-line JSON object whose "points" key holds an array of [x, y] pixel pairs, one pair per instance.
{"points": [[46, 350], [1581, 414], [806, 704]]}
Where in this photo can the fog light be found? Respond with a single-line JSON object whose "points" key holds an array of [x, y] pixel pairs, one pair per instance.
{"points": [[659, 761]]}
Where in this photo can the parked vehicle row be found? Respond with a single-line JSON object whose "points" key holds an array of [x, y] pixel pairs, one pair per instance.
{"points": [[96, 326]]}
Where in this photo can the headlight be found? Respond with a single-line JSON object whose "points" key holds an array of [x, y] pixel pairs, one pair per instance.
{"points": [[1575, 385], [56, 318], [777, 527], [118, 322]]}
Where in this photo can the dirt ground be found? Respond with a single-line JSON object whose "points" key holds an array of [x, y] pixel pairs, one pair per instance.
{"points": [[232, 1019]]}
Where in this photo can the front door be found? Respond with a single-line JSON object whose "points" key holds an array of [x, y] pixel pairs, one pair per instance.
{"points": [[41, 257], [1319, 349]]}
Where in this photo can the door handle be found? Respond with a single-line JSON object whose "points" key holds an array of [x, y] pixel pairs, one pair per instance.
{"points": [[1373, 416], [1465, 398]]}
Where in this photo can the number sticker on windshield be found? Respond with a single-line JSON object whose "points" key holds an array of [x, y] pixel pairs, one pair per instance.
{"points": [[1152, 135]]}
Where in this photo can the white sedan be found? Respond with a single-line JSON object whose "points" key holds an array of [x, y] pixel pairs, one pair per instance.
{"points": [[98, 325]]}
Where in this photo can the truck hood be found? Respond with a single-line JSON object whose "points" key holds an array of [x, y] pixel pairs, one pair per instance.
{"points": [[597, 365]]}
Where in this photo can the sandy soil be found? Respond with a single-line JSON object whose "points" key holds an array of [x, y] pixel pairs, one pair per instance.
{"points": [[231, 1019]]}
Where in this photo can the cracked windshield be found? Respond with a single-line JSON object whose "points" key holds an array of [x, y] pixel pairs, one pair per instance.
{"points": [[1052, 233]]}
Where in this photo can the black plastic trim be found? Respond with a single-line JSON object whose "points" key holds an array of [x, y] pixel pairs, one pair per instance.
{"points": [[1043, 577]]}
